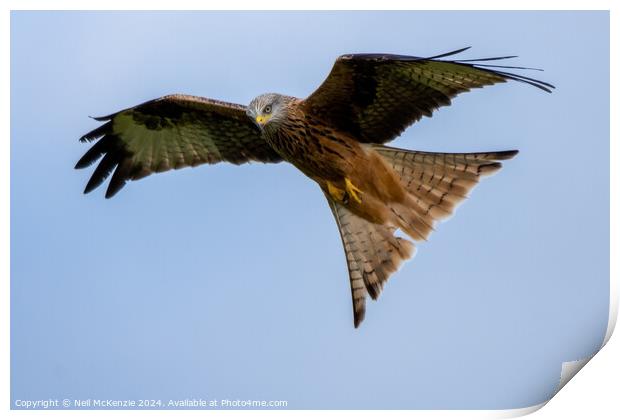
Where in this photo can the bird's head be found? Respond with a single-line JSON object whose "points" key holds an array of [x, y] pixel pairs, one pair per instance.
{"points": [[268, 110]]}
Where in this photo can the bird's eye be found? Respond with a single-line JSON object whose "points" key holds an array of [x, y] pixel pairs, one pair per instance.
{"points": [[267, 109]]}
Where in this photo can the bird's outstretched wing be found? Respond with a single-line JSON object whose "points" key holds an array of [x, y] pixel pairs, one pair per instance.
{"points": [[171, 132], [374, 97]]}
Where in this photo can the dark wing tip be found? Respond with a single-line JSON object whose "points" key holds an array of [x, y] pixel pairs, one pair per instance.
{"points": [[100, 131], [81, 164], [115, 163], [378, 57], [460, 50], [120, 177], [113, 188], [100, 148], [104, 118], [103, 170], [545, 86], [115, 159], [475, 63], [396, 57]]}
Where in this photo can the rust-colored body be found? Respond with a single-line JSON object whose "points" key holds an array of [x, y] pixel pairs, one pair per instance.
{"points": [[327, 155]]}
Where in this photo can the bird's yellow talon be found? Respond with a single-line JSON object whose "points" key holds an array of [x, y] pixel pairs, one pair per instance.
{"points": [[352, 190], [336, 193]]}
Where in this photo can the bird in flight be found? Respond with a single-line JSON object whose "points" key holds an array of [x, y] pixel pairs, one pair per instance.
{"points": [[336, 137]]}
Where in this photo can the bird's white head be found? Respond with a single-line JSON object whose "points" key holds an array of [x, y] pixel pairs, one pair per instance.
{"points": [[268, 110]]}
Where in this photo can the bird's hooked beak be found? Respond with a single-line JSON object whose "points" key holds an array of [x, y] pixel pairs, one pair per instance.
{"points": [[261, 120]]}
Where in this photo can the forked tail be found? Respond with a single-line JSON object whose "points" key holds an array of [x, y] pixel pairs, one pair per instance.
{"points": [[436, 183]]}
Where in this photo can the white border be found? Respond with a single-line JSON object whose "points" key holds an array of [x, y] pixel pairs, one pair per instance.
{"points": [[602, 382], [310, 5]]}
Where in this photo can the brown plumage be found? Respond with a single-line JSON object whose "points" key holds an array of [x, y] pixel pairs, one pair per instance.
{"points": [[334, 137]]}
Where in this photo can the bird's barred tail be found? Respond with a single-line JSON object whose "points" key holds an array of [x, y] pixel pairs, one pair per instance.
{"points": [[436, 183], [373, 253]]}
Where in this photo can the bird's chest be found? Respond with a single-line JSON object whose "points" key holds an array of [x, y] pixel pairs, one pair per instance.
{"points": [[317, 153]]}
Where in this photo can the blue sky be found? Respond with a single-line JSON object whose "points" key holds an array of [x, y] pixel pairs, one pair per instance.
{"points": [[230, 282]]}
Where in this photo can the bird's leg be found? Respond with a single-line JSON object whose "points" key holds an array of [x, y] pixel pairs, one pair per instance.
{"points": [[336, 193], [352, 190]]}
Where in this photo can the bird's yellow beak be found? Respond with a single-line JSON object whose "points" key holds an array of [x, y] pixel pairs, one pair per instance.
{"points": [[262, 119]]}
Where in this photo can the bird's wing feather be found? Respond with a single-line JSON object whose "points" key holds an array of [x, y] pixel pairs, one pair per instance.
{"points": [[374, 97], [171, 132]]}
